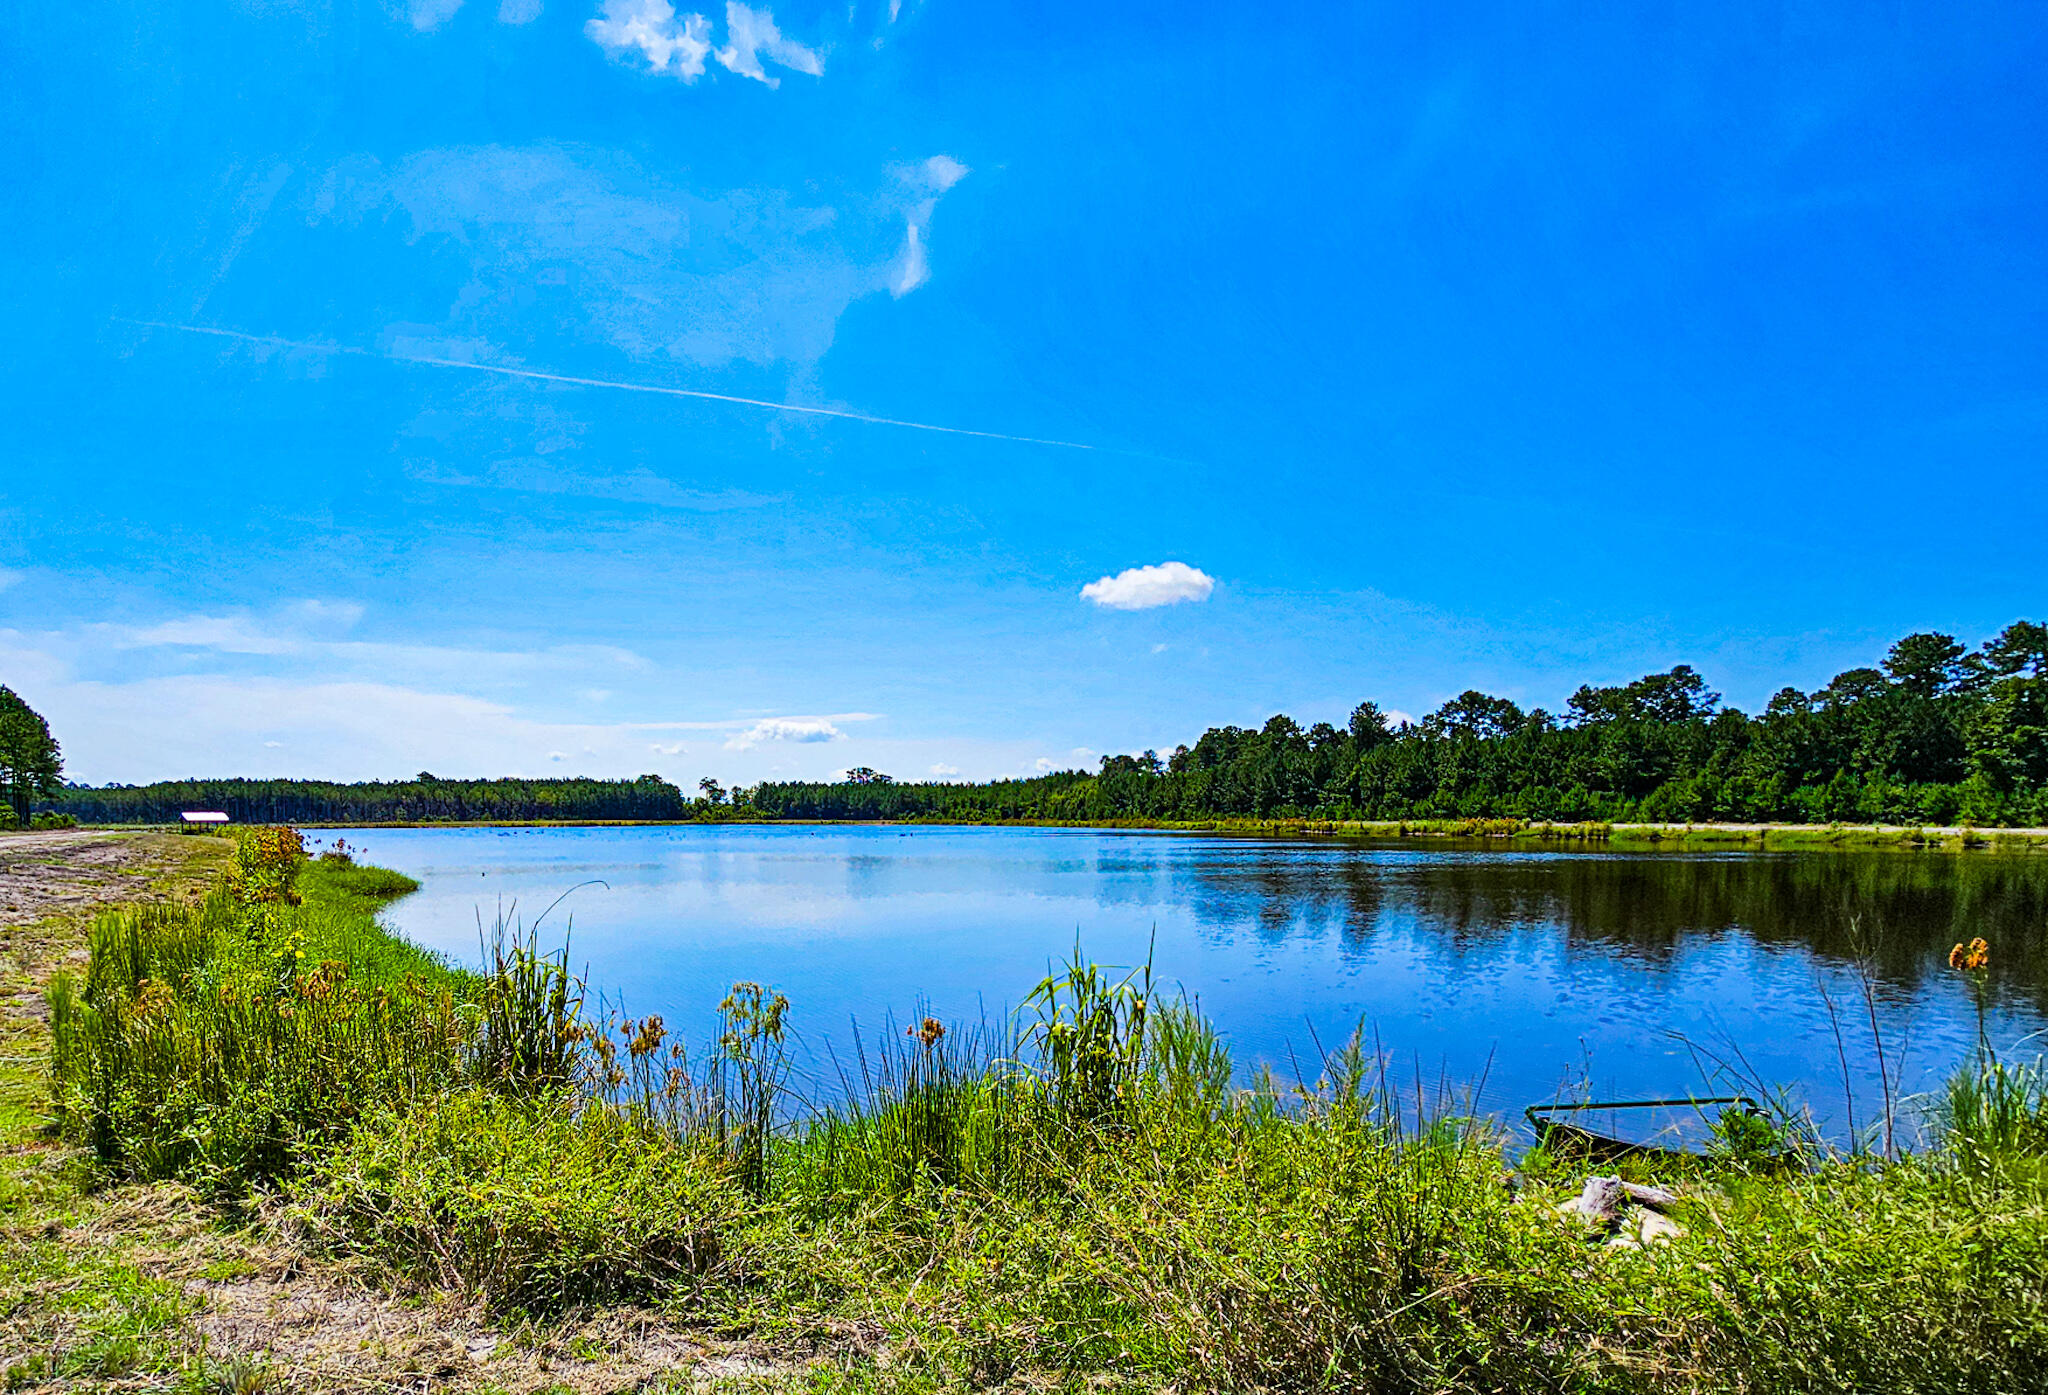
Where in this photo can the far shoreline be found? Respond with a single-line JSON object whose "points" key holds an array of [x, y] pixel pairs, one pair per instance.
{"points": [[1760, 837]]}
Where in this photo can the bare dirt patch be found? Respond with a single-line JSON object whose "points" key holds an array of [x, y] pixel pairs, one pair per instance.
{"points": [[52, 883]]}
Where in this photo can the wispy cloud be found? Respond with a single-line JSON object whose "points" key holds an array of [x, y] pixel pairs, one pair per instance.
{"points": [[8, 578], [803, 730], [540, 248], [925, 181], [271, 341], [429, 15], [1146, 588], [940, 768], [751, 34], [311, 633], [518, 11], [640, 486], [651, 29]]}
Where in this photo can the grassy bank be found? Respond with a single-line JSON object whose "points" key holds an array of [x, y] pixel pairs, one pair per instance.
{"points": [[1087, 1197]]}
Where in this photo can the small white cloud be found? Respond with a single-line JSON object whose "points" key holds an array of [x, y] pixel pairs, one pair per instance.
{"points": [[927, 180], [934, 175], [803, 730], [941, 768], [429, 15], [1159, 649], [650, 28], [750, 34], [518, 11], [1045, 765], [912, 269], [675, 749], [1145, 588], [596, 694], [274, 745], [557, 756]]}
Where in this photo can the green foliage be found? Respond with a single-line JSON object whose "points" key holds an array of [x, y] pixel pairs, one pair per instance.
{"points": [[31, 763], [532, 1015], [423, 799], [1993, 1113], [1090, 1036], [1937, 736], [531, 1203], [1089, 1193], [218, 1042]]}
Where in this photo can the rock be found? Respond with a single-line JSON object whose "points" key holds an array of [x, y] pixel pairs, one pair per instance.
{"points": [[1631, 1212], [1600, 1203], [1645, 1227]]}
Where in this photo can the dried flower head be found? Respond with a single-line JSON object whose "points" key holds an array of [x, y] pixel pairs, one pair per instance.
{"points": [[1972, 958], [927, 1032]]}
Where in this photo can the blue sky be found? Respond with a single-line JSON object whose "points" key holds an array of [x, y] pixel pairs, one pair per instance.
{"points": [[1440, 346]]}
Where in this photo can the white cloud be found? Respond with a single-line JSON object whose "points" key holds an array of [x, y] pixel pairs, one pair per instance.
{"points": [[940, 173], [804, 730], [1145, 588], [1159, 648], [926, 180], [912, 269], [648, 267], [429, 15], [1045, 765], [650, 28], [750, 33], [943, 769], [518, 11], [224, 634], [8, 578]]}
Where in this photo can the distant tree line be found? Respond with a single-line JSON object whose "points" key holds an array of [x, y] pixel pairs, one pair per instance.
{"points": [[1937, 734], [423, 799]]}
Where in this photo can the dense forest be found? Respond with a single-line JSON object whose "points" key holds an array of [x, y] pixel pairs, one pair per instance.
{"points": [[1937, 734], [423, 799]]}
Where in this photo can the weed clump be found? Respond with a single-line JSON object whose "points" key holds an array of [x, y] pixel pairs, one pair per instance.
{"points": [[530, 1203]]}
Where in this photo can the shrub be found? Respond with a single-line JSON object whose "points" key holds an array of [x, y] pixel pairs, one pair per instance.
{"points": [[530, 1203]]}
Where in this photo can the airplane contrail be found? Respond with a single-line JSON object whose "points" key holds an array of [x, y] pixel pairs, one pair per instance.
{"points": [[538, 376]]}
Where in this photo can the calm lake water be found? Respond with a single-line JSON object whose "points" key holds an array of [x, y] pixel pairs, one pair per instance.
{"points": [[1517, 972]]}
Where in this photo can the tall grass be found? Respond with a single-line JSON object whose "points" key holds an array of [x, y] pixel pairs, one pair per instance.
{"points": [[1087, 1188]]}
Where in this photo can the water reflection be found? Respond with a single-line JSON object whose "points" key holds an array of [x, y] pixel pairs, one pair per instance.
{"points": [[1526, 967]]}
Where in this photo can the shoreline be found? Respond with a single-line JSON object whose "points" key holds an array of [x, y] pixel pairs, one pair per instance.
{"points": [[1762, 837]]}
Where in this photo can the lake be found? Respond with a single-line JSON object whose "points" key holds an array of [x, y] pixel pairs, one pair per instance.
{"points": [[1511, 972]]}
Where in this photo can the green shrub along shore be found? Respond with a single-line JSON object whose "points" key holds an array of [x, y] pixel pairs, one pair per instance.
{"points": [[1086, 1198]]}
